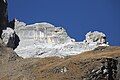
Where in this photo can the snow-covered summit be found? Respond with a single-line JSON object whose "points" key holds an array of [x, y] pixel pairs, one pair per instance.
{"points": [[46, 40]]}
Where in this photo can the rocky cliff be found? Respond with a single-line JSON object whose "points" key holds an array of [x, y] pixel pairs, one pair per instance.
{"points": [[3, 13]]}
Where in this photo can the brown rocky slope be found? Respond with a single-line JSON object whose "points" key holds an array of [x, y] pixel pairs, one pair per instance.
{"points": [[103, 63]]}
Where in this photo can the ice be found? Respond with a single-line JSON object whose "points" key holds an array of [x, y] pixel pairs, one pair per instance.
{"points": [[46, 40]]}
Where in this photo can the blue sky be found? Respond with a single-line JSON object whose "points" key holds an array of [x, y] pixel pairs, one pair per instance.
{"points": [[76, 16]]}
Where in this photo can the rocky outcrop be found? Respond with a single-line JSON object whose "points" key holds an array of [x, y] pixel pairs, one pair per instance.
{"points": [[108, 70], [7, 34], [3, 13], [95, 36], [10, 38]]}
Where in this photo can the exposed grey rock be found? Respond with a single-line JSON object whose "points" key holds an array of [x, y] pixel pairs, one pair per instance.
{"points": [[108, 70], [96, 36], [45, 40], [10, 38], [59, 69]]}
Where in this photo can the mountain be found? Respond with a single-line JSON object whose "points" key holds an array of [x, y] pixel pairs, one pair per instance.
{"points": [[42, 51], [46, 40]]}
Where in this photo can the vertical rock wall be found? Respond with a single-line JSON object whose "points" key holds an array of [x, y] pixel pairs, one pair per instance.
{"points": [[3, 13]]}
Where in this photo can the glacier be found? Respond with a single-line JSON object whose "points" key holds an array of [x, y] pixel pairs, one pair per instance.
{"points": [[46, 40]]}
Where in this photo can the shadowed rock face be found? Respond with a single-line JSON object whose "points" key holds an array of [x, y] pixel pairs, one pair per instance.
{"points": [[10, 38], [3, 13], [7, 34]]}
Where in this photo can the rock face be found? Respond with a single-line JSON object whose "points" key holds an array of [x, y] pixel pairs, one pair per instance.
{"points": [[109, 70], [3, 13], [45, 40], [10, 38], [95, 36]]}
